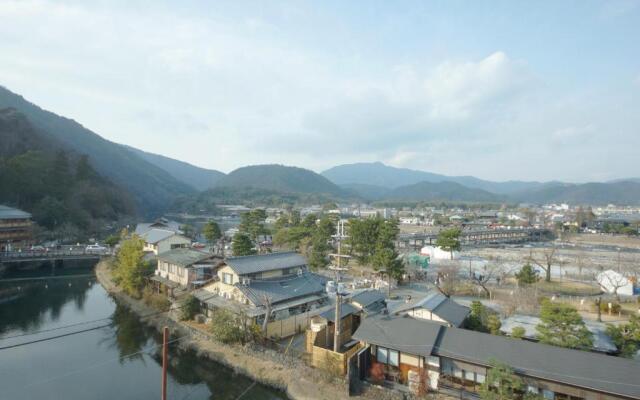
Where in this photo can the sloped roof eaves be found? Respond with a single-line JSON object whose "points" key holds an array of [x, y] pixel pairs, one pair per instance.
{"points": [[157, 235], [573, 367], [7, 212], [265, 262], [184, 257], [300, 286], [368, 297], [405, 334], [452, 312]]}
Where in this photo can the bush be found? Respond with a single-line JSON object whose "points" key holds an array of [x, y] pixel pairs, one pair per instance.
{"points": [[225, 327], [518, 332], [190, 307], [155, 300], [615, 307]]}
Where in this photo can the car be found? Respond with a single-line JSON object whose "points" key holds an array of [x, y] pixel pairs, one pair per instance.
{"points": [[95, 249], [38, 249]]}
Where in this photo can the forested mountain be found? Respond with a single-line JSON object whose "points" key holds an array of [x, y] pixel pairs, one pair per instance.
{"points": [[196, 177], [153, 188], [384, 176], [280, 178], [442, 191], [57, 185]]}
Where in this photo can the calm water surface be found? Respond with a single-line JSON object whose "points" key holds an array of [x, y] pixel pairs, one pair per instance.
{"points": [[97, 364]]}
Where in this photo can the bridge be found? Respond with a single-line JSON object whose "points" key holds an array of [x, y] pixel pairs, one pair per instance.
{"points": [[51, 255], [476, 237]]}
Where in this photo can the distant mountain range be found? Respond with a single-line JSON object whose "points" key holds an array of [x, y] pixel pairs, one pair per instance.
{"points": [[158, 183], [196, 177]]}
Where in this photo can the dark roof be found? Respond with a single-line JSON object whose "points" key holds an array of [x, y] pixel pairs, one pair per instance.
{"points": [[265, 262], [400, 333], [184, 257], [583, 369], [440, 305], [7, 212], [346, 309], [368, 297], [573, 367], [283, 289]]}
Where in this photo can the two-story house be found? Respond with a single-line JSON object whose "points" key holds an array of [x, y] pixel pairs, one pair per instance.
{"points": [[186, 268], [278, 282], [158, 241]]}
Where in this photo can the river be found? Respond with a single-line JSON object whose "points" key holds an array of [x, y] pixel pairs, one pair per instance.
{"points": [[120, 361]]}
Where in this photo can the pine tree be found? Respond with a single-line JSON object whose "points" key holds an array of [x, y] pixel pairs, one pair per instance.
{"points": [[242, 245], [527, 275], [561, 325]]}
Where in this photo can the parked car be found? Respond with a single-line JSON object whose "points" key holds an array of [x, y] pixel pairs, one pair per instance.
{"points": [[96, 249], [38, 249]]}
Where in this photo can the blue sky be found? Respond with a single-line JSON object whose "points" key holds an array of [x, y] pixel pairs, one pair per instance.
{"points": [[501, 90]]}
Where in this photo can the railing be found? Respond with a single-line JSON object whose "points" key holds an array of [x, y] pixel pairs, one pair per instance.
{"points": [[53, 254]]}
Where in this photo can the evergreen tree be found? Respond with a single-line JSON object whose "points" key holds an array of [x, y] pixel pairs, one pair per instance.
{"points": [[626, 336], [212, 232], [130, 269], [527, 275], [561, 325], [449, 240], [501, 383], [242, 245]]}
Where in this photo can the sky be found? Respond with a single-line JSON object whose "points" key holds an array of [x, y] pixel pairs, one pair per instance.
{"points": [[544, 90]]}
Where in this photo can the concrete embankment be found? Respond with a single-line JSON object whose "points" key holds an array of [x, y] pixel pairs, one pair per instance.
{"points": [[293, 376]]}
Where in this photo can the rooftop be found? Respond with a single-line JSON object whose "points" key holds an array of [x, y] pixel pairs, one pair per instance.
{"points": [[265, 262], [185, 257], [284, 289], [438, 304], [367, 298], [7, 212], [155, 235]]}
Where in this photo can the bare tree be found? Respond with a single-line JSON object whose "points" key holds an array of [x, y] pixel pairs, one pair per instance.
{"points": [[582, 261], [612, 282], [447, 278], [491, 272], [546, 260], [267, 315]]}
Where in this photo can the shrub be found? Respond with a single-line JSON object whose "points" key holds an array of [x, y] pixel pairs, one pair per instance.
{"points": [[155, 300], [190, 307], [615, 307], [518, 332], [225, 327]]}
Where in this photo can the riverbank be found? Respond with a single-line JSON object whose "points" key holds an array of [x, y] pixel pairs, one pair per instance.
{"points": [[292, 376]]}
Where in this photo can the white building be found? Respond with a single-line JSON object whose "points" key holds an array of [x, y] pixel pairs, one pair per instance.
{"points": [[159, 241], [436, 253], [615, 283]]}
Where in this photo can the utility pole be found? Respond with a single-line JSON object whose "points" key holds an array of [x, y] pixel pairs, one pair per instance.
{"points": [[165, 360], [338, 322]]}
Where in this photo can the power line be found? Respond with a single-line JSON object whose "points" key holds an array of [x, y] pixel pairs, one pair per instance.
{"points": [[53, 337], [54, 329]]}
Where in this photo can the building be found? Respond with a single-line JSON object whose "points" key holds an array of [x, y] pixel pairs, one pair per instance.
{"points": [[613, 282], [15, 229], [158, 241], [276, 282], [161, 223], [186, 268], [434, 307], [414, 354]]}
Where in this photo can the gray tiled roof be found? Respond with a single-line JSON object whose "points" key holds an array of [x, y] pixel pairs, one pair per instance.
{"points": [[184, 257], [440, 305], [157, 235], [584, 369], [265, 262], [400, 333], [284, 289], [345, 310], [13, 213], [368, 297], [573, 367]]}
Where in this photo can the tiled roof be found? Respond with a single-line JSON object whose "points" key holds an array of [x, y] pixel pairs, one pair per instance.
{"points": [[265, 262], [440, 305], [184, 257], [284, 289], [156, 235], [367, 297], [12, 213]]}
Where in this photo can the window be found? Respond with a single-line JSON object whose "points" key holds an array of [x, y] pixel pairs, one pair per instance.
{"points": [[469, 375], [227, 278], [480, 378], [532, 389], [393, 358], [381, 355], [548, 394]]}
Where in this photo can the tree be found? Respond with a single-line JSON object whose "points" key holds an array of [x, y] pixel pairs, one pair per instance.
{"points": [[447, 278], [482, 279], [548, 258], [527, 275], [494, 324], [476, 319], [387, 260], [561, 325], [501, 383], [130, 269], [449, 240], [368, 235], [252, 224], [518, 332], [242, 245], [112, 240], [224, 327], [190, 307], [212, 232], [626, 336]]}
